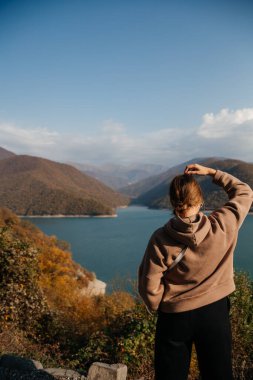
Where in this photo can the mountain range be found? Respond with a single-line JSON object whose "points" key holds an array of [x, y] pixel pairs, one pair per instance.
{"points": [[153, 191], [118, 176], [37, 186]]}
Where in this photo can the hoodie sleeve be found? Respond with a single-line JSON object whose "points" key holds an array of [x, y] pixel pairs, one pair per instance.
{"points": [[233, 213], [150, 284]]}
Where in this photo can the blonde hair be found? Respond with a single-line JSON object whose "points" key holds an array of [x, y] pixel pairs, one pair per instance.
{"points": [[185, 192]]}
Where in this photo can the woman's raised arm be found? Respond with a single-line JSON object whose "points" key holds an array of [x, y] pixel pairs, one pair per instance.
{"points": [[199, 170]]}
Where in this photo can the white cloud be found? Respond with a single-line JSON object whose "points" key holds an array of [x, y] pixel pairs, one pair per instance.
{"points": [[112, 126], [226, 122], [37, 136], [227, 133], [24, 140]]}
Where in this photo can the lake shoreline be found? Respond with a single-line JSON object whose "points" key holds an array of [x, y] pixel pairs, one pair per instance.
{"points": [[99, 216], [68, 216], [75, 216]]}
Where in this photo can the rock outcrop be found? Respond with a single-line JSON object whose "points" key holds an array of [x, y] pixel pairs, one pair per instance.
{"points": [[17, 368], [95, 288]]}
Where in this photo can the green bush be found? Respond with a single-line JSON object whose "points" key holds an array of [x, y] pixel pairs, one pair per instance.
{"points": [[242, 327], [129, 338], [21, 300]]}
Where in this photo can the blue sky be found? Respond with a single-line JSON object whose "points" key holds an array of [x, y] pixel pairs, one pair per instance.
{"points": [[122, 81]]}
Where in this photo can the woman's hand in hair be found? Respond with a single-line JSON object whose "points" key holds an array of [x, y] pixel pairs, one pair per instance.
{"points": [[199, 170]]}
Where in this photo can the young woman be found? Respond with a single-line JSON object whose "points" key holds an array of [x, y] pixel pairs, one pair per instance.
{"points": [[187, 273]]}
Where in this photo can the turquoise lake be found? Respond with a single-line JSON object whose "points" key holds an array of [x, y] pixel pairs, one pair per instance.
{"points": [[113, 247]]}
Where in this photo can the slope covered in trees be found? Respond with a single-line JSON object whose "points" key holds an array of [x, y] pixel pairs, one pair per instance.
{"points": [[44, 316], [45, 311], [153, 192], [36, 186], [40, 266], [141, 187]]}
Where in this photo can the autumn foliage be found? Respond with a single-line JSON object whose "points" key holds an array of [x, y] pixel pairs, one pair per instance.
{"points": [[46, 314], [43, 291]]}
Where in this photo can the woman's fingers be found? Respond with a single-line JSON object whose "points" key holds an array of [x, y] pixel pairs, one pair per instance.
{"points": [[199, 170], [196, 169], [191, 169]]}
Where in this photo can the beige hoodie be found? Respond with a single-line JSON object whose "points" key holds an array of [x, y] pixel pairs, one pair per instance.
{"points": [[205, 274]]}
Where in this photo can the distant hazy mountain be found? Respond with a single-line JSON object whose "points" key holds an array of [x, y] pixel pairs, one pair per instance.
{"points": [[36, 186], [142, 187], [5, 154], [118, 176], [153, 192]]}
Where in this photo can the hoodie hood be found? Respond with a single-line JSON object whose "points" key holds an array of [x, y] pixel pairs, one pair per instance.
{"points": [[189, 231]]}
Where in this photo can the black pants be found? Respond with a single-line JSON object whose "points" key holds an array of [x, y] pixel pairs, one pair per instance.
{"points": [[208, 327]]}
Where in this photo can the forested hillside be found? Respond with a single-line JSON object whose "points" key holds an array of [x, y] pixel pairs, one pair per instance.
{"points": [[45, 315], [156, 188], [36, 186], [46, 312]]}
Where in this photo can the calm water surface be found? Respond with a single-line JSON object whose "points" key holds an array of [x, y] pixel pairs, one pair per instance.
{"points": [[113, 247]]}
